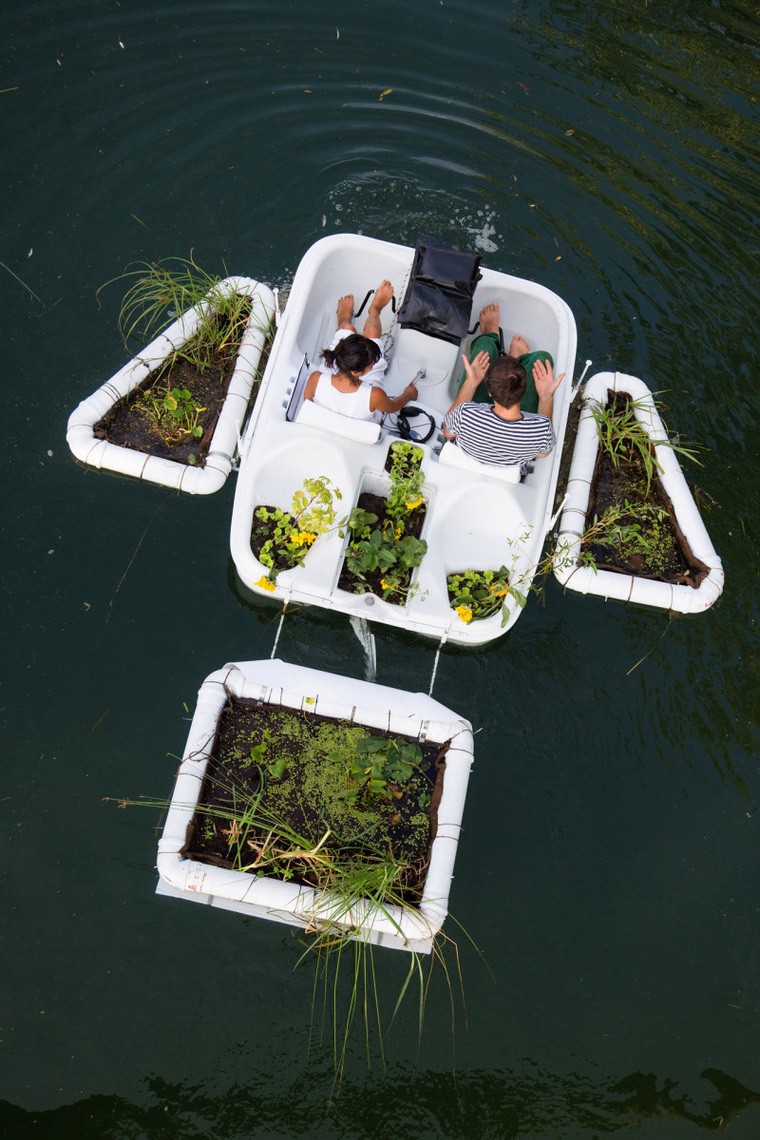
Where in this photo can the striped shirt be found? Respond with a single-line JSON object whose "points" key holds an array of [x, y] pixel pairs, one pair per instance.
{"points": [[487, 437]]}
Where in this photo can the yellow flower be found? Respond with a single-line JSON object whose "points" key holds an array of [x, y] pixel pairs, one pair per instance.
{"points": [[499, 593], [265, 584], [387, 583], [302, 537], [410, 504], [465, 613], [399, 530]]}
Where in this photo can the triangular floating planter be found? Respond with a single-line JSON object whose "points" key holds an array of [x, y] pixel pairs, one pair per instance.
{"points": [[310, 694], [706, 583], [209, 476]]}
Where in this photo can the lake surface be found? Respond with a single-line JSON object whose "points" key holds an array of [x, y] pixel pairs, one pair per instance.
{"points": [[608, 868]]}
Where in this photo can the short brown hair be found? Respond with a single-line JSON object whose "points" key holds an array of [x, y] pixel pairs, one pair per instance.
{"points": [[506, 381]]}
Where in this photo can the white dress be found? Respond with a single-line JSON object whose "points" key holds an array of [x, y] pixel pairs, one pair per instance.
{"points": [[354, 404]]}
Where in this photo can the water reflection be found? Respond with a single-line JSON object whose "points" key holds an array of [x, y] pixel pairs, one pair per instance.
{"points": [[497, 1104]]}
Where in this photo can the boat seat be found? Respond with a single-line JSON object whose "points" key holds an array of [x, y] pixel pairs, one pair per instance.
{"points": [[362, 431], [453, 456]]}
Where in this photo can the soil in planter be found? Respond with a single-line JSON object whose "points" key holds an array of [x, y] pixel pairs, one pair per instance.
{"points": [[262, 530], [411, 525], [128, 425], [370, 582], [299, 763], [662, 553]]}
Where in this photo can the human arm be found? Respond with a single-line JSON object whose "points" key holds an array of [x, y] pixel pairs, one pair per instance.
{"points": [[380, 401], [311, 386], [546, 385], [474, 373]]}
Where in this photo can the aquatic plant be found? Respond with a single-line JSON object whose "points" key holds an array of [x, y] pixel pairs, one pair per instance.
{"points": [[162, 290], [381, 553], [282, 539], [623, 437]]}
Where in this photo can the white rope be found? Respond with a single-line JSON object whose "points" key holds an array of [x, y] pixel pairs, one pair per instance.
{"points": [[360, 626], [279, 629], [435, 663]]}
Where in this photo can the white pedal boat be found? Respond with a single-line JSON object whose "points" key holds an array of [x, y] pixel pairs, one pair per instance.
{"points": [[477, 516], [310, 692], [210, 476], [686, 598]]}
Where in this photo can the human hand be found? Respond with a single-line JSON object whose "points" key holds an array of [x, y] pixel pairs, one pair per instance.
{"points": [[411, 391], [545, 380], [475, 370]]}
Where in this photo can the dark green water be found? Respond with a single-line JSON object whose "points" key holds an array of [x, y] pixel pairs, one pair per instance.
{"points": [[608, 868]]}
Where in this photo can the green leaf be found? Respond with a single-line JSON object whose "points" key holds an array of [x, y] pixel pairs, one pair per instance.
{"points": [[372, 744], [277, 768]]}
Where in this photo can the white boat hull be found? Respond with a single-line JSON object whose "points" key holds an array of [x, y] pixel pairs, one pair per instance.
{"points": [[475, 519]]}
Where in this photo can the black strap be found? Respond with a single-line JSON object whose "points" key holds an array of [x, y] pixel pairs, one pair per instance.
{"points": [[405, 428], [360, 310]]}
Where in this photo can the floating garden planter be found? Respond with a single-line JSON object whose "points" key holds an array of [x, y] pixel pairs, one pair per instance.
{"points": [[174, 413], [653, 548], [319, 801]]}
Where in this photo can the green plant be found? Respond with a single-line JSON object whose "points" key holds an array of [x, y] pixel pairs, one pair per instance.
{"points": [[634, 531], [161, 291], [355, 885], [623, 437], [477, 594], [382, 764], [384, 548], [175, 414], [406, 479], [289, 535]]}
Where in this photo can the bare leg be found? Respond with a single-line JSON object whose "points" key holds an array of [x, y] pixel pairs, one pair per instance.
{"points": [[373, 325], [345, 312]]}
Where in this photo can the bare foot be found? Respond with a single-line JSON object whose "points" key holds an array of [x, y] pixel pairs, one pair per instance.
{"points": [[382, 296], [345, 312], [518, 345], [489, 318]]}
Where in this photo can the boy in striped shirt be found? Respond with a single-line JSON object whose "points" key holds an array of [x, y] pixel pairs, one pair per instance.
{"points": [[500, 432]]}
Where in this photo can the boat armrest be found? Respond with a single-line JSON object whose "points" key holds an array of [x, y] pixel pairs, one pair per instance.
{"points": [[453, 456], [296, 396], [363, 431]]}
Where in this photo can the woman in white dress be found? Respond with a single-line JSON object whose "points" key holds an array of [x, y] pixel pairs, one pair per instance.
{"points": [[353, 361]]}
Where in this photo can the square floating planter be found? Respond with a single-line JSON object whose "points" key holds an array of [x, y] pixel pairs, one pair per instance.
{"points": [[312, 696], [211, 472]]}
